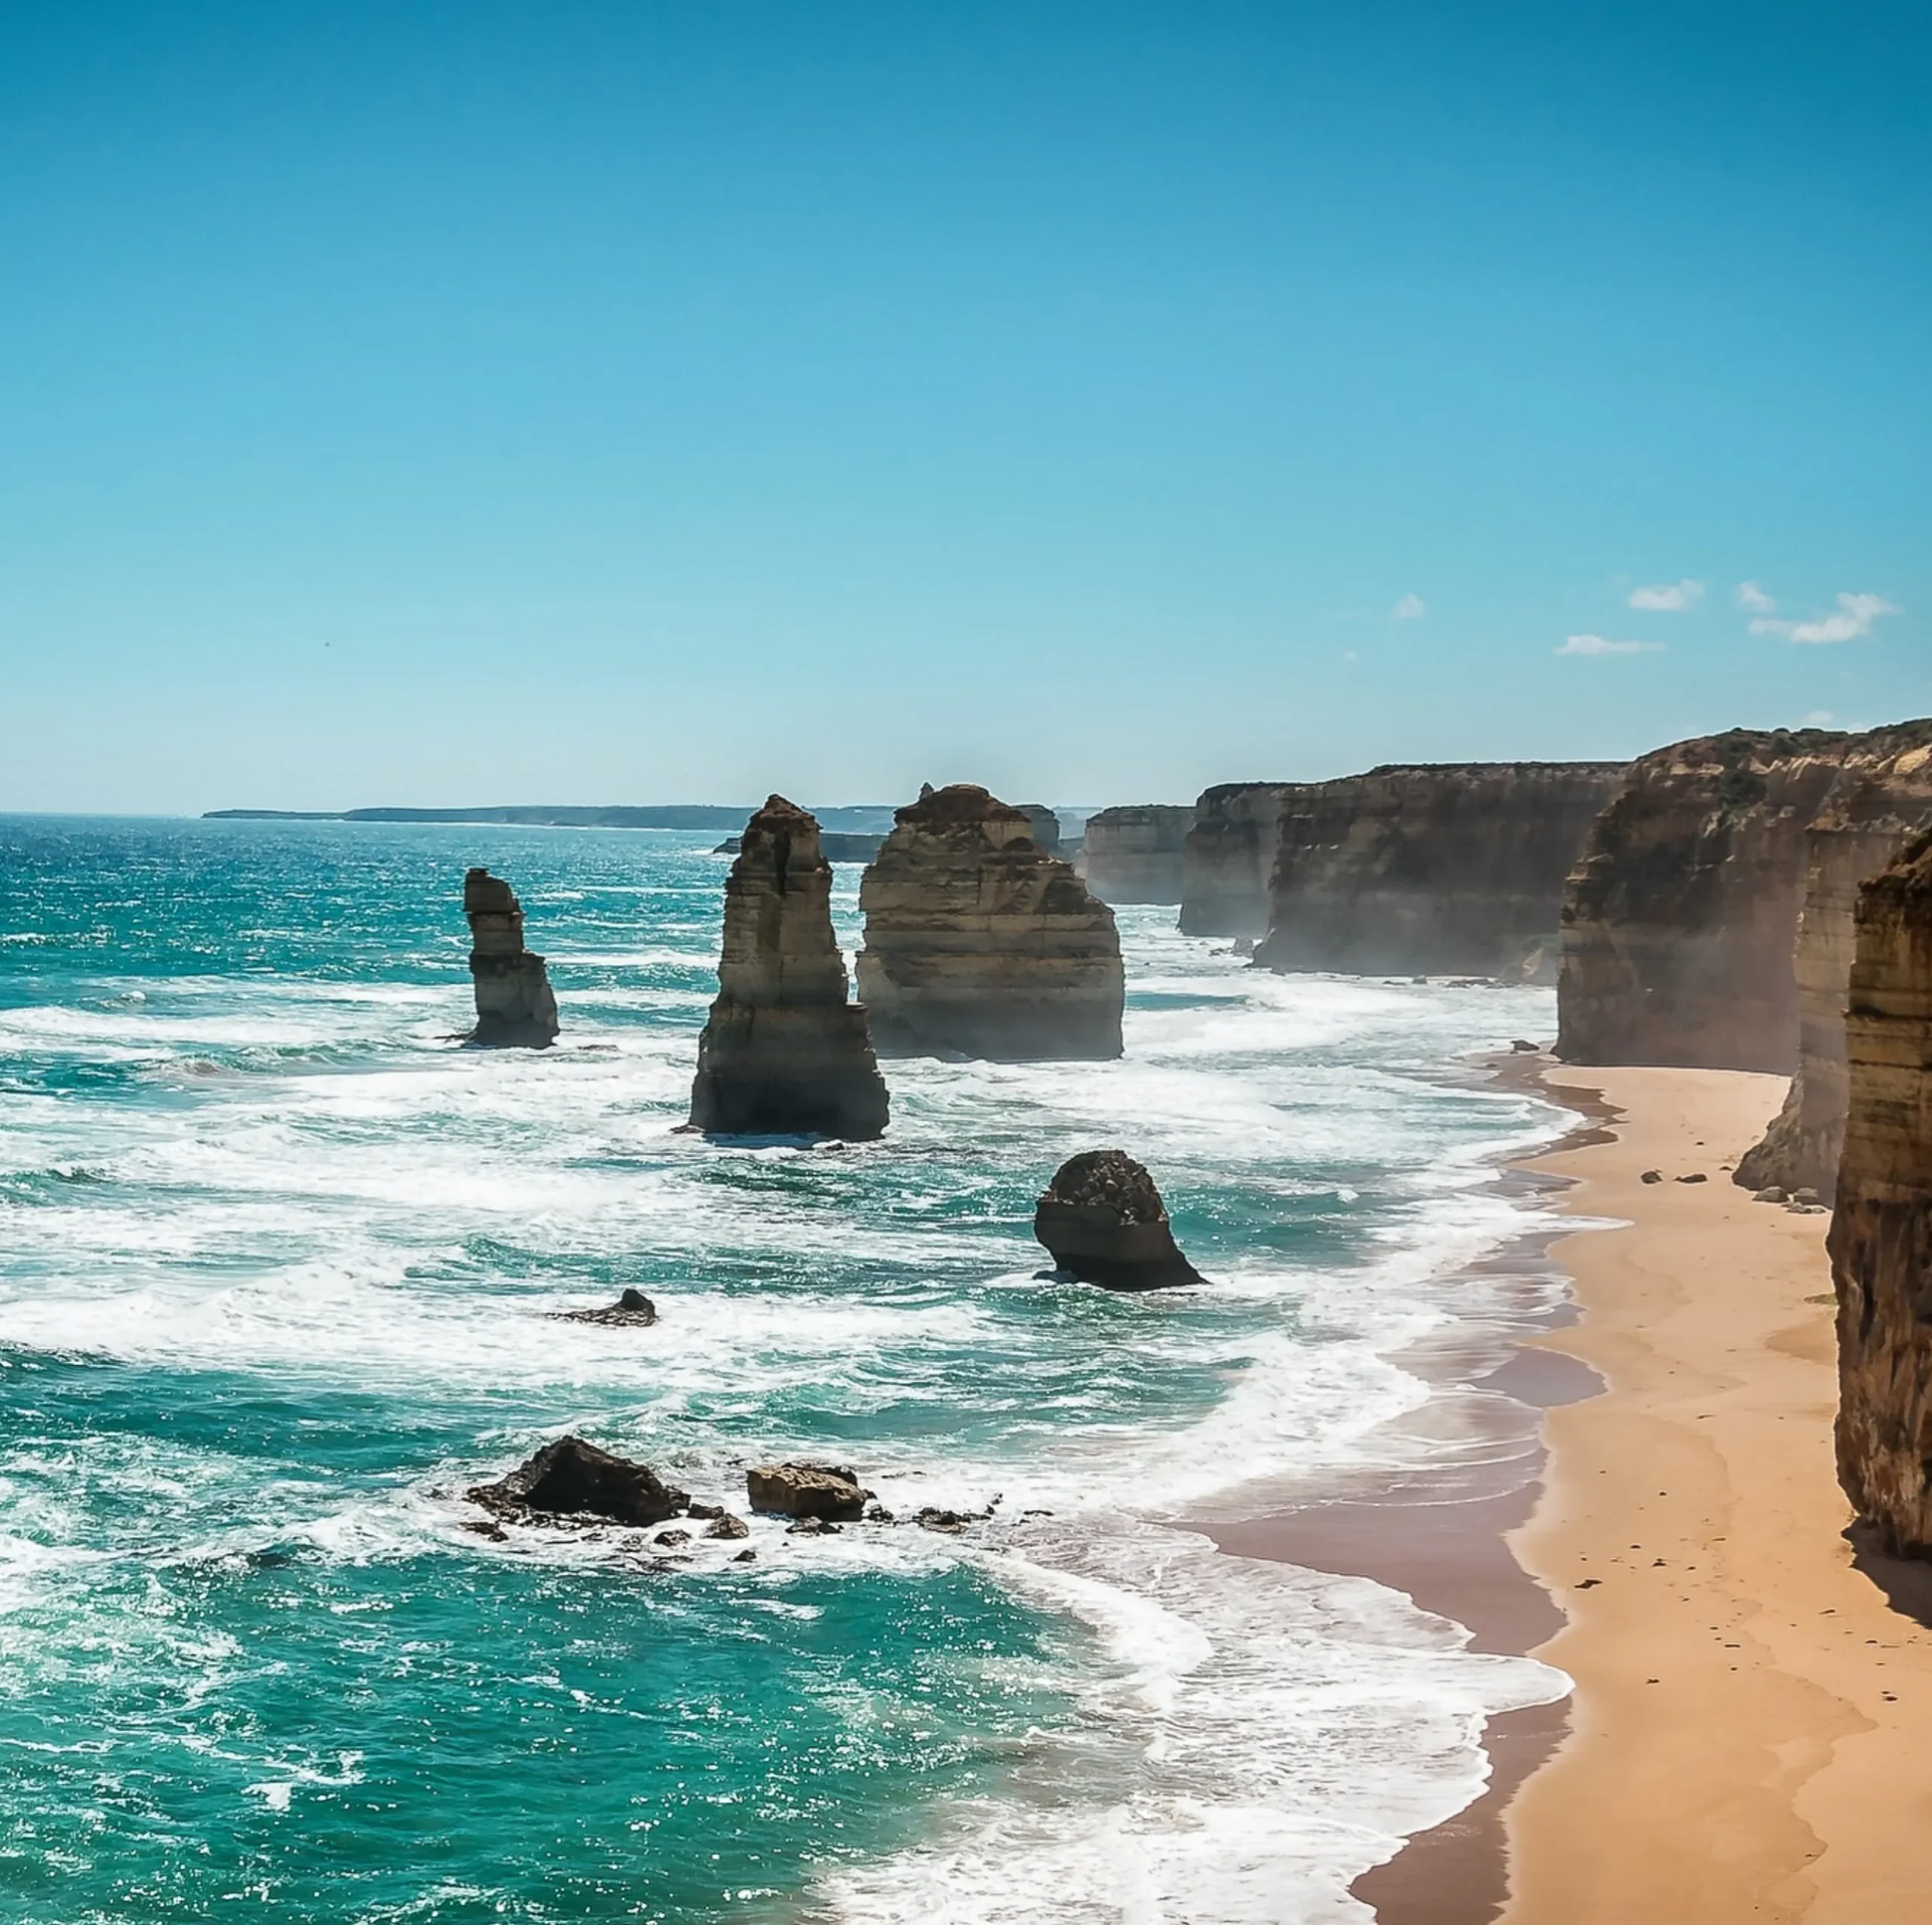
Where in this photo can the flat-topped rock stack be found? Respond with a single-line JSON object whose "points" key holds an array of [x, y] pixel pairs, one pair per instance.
{"points": [[784, 1052], [1881, 798], [1102, 1219], [514, 1007], [1137, 854], [980, 943], [1880, 1239], [1436, 868]]}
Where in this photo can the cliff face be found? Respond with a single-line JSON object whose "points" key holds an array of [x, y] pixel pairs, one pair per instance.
{"points": [[1882, 797], [980, 943], [1680, 920], [783, 1052], [1229, 857], [1451, 868], [515, 1007], [1881, 1240], [1136, 855]]}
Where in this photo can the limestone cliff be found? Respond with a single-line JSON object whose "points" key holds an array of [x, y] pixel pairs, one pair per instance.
{"points": [[1453, 868], [1136, 855], [980, 943], [1882, 797], [784, 1051], [1229, 856], [1881, 1240], [1680, 920], [514, 1007]]}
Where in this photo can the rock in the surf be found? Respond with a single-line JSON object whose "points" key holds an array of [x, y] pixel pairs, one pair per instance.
{"points": [[1881, 1237], [1103, 1220], [514, 1007], [574, 1478], [980, 943], [784, 1052], [793, 1489], [632, 1308]]}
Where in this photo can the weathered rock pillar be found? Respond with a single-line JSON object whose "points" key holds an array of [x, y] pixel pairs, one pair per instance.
{"points": [[514, 1007]]}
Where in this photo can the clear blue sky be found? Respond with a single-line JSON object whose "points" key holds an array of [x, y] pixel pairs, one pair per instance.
{"points": [[429, 403]]}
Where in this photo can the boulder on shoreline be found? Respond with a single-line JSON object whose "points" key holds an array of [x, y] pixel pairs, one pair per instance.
{"points": [[574, 1478], [1103, 1220], [793, 1489], [514, 1007]]}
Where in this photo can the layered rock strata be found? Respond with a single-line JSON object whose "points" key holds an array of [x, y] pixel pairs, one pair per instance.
{"points": [[1881, 1239], [1451, 868], [1882, 797], [784, 1051], [1137, 855], [980, 943], [514, 1007], [1229, 857], [1102, 1220], [1680, 922]]}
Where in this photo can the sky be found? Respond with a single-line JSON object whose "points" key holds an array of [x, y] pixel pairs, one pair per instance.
{"points": [[442, 404]]}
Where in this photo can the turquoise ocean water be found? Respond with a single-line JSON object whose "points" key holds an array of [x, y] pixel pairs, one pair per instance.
{"points": [[277, 1261]]}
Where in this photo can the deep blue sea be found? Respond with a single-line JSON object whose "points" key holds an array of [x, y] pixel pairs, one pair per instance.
{"points": [[278, 1260]]}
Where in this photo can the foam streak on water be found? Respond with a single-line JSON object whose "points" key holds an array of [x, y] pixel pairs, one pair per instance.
{"points": [[277, 1258]]}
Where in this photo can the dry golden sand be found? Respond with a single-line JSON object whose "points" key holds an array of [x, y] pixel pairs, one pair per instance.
{"points": [[1752, 1734]]}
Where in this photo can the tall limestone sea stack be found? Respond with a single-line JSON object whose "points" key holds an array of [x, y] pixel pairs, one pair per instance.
{"points": [[1880, 1239], [980, 943], [1137, 854], [1882, 798], [1450, 869], [784, 1051], [1229, 857], [514, 1007]]}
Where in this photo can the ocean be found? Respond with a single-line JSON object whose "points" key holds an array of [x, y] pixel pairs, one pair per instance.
{"points": [[279, 1265]]}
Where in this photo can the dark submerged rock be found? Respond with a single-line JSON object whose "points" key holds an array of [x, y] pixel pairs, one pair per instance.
{"points": [[573, 1478], [1103, 1220], [633, 1308]]}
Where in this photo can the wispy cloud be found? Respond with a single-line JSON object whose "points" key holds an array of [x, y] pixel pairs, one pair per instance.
{"points": [[1411, 608], [1817, 718], [1597, 644], [1751, 596], [1856, 613], [1670, 596]]}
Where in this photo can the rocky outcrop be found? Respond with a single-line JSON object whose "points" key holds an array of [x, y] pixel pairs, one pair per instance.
{"points": [[515, 1008], [1881, 797], [1044, 824], [1881, 1239], [978, 943], [633, 1310], [1450, 869], [1228, 858], [805, 1490], [1102, 1219], [1137, 855], [574, 1478], [1680, 922], [784, 1051]]}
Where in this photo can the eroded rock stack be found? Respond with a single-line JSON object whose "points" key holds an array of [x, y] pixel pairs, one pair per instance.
{"points": [[1103, 1220], [980, 943], [1881, 798], [1680, 920], [784, 1051], [514, 1007], [1881, 1240], [1137, 854], [1228, 858], [1450, 869]]}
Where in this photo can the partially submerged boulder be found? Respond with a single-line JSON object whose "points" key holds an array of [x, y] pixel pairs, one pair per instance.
{"points": [[574, 1478], [1103, 1220], [632, 1308], [806, 1491], [514, 1007], [784, 1051]]}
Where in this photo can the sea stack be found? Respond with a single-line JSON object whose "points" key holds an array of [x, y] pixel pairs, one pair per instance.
{"points": [[784, 1051], [1881, 799], [1228, 856], [515, 1008], [1136, 854], [980, 943], [1103, 1220], [1880, 1239]]}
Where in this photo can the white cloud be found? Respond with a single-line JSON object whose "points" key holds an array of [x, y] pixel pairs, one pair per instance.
{"points": [[1818, 718], [1751, 596], [1856, 613], [1411, 608], [1671, 596], [1595, 644]]}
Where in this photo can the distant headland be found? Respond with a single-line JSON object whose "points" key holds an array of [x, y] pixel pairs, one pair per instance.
{"points": [[859, 818]]}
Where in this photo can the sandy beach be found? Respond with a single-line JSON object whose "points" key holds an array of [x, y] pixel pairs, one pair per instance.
{"points": [[1747, 1738]]}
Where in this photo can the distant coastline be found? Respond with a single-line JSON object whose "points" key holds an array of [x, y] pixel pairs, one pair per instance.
{"points": [[859, 818]]}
